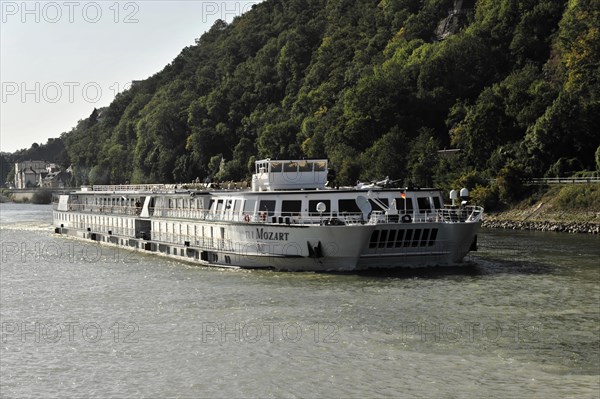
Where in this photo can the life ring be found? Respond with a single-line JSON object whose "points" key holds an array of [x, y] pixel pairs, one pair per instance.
{"points": [[406, 219], [246, 218]]}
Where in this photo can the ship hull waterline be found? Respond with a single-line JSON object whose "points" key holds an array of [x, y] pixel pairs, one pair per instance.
{"points": [[297, 248]]}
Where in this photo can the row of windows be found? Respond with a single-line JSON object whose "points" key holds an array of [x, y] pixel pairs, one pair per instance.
{"points": [[106, 201], [292, 166], [403, 238], [187, 229], [288, 207], [294, 207], [79, 219]]}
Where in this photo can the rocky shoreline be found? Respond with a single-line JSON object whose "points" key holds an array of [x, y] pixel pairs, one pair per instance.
{"points": [[567, 227]]}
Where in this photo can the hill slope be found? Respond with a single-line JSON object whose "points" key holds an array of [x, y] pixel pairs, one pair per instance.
{"points": [[368, 85], [574, 208]]}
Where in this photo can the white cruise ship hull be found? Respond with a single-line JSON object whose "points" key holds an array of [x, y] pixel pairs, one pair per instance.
{"points": [[288, 221], [283, 247], [245, 245]]}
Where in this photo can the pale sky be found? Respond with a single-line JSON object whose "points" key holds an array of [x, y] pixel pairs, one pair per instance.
{"points": [[61, 59]]}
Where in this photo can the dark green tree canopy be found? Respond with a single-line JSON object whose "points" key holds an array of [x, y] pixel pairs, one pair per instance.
{"points": [[377, 86]]}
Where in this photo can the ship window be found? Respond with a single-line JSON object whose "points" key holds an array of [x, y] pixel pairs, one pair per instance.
{"points": [[403, 204], [437, 203], [374, 239], [424, 237], [433, 237], [408, 239], [312, 207], [320, 166], [249, 206], [399, 238], [267, 206], [237, 204], [276, 166], [348, 205], [305, 166], [383, 238], [219, 206], [391, 238], [290, 167], [424, 204], [416, 238], [377, 207], [291, 208], [228, 208]]}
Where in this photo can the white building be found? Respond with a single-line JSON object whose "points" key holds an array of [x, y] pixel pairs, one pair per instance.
{"points": [[28, 173]]}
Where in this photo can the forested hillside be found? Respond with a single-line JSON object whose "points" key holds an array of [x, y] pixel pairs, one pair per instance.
{"points": [[373, 86]]}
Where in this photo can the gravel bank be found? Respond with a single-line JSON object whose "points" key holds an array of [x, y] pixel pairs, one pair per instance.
{"points": [[567, 227]]}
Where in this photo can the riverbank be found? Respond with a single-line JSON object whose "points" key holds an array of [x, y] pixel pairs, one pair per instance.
{"points": [[567, 227], [33, 196], [568, 208]]}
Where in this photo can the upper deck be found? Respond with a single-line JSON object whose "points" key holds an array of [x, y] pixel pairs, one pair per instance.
{"points": [[283, 191], [272, 175]]}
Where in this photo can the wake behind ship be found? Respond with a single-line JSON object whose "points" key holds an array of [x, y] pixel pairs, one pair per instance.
{"points": [[287, 220]]}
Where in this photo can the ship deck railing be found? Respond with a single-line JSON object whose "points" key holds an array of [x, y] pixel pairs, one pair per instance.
{"points": [[470, 213], [129, 187], [444, 215], [104, 209], [464, 214], [168, 188]]}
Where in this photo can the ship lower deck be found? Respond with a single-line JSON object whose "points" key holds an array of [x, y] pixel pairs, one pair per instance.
{"points": [[279, 246]]}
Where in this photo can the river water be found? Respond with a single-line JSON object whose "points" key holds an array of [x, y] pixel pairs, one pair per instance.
{"points": [[80, 320]]}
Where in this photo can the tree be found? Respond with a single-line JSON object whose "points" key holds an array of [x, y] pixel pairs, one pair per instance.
{"points": [[367, 85], [386, 157], [423, 158], [5, 168], [509, 182]]}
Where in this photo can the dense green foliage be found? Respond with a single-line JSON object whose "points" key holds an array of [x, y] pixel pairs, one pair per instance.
{"points": [[579, 197], [368, 85], [5, 170], [42, 196]]}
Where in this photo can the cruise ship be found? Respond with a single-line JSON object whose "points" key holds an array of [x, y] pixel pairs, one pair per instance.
{"points": [[286, 218]]}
